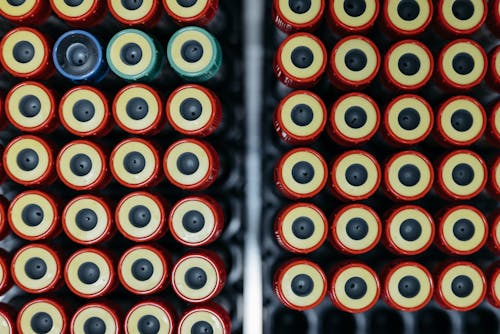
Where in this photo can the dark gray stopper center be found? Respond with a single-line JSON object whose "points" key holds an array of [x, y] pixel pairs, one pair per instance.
{"points": [[77, 54], [409, 64], [186, 3], [142, 269], [463, 63], [463, 229], [88, 273], [86, 219], [302, 57], [303, 227], [27, 159], [302, 285], [357, 228], [356, 174], [35, 268], [188, 163], [195, 278], [83, 110], [410, 229], [409, 286], [463, 9], [303, 172], [462, 174], [23, 52], [193, 221], [137, 108], [354, 8], [355, 287], [73, 3], [462, 120], [41, 323], [16, 2], [131, 54], [202, 327], [302, 114], [409, 175], [134, 162], [131, 5], [408, 10], [192, 51], [355, 60], [462, 286], [29, 106], [299, 6], [32, 215], [355, 117], [148, 324], [139, 216], [409, 119], [80, 164], [191, 109], [94, 325]]}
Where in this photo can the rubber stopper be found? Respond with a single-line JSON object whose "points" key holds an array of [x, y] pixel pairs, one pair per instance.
{"points": [[94, 325], [86, 219], [30, 106], [409, 286], [299, 6], [462, 174], [142, 269], [462, 9], [302, 57], [354, 8], [462, 286], [73, 3], [463, 63], [409, 119], [27, 159], [134, 162], [148, 324], [357, 228], [302, 114], [303, 227], [32, 215], [131, 5], [355, 287], [201, 327], [88, 273], [356, 175], [192, 51], [83, 110], [188, 163], [302, 285], [409, 64], [41, 323], [80, 164], [35, 268], [16, 2], [186, 3], [193, 221], [463, 229], [137, 108], [355, 60], [355, 117], [408, 10], [131, 54], [410, 229], [303, 172], [195, 278], [139, 216], [409, 175], [23, 52], [462, 120], [191, 109]]}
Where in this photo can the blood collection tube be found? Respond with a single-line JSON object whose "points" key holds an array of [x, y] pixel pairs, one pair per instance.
{"points": [[300, 284], [43, 315], [142, 216], [137, 109], [88, 220], [408, 65], [25, 53], [193, 110], [300, 61], [408, 230], [493, 75], [354, 119], [355, 229], [208, 318], [29, 161], [460, 175], [191, 164], [31, 107], [145, 13], [90, 273], [150, 316], [355, 175], [407, 17], [301, 173], [5, 276], [196, 221], [34, 215], [135, 163], [494, 178], [462, 230], [301, 228], [194, 54], [493, 128], [133, 55], [353, 287], [80, 13], [493, 18], [352, 16], [408, 120], [95, 317], [84, 111], [297, 15], [7, 318], [494, 235], [79, 57], [144, 269], [408, 176], [191, 12], [82, 165], [460, 121], [25, 12], [198, 276], [493, 280], [459, 18], [406, 286], [462, 64], [459, 286], [37, 269]]}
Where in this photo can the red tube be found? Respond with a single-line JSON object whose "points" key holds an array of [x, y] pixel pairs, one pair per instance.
{"points": [[5, 276], [494, 237], [37, 313], [94, 314], [493, 19], [134, 13], [86, 14], [493, 75], [201, 13], [493, 279], [353, 18], [292, 17], [494, 178], [28, 13], [153, 309], [217, 318], [4, 227], [459, 18], [410, 18], [7, 318], [493, 130]]}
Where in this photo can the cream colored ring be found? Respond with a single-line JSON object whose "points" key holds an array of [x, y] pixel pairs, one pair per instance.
{"points": [[351, 44], [468, 189], [456, 244], [354, 21], [199, 174], [497, 233], [423, 184], [187, 292], [423, 126], [13, 152], [79, 95], [368, 240], [129, 280], [74, 11], [415, 301], [51, 275], [207, 110], [462, 25], [496, 63], [303, 18], [478, 120], [23, 35], [473, 297], [139, 232], [149, 119], [132, 15], [19, 119], [371, 117], [143, 310], [317, 110], [185, 235], [474, 52], [311, 186], [94, 311], [496, 122], [496, 287], [17, 11], [198, 316], [6, 326], [371, 291], [104, 275], [124, 39], [425, 64], [186, 13], [426, 230], [311, 298], [58, 321], [17, 211], [287, 227], [205, 59], [103, 219], [371, 181], [417, 23], [64, 163], [121, 151], [313, 46], [496, 176]]}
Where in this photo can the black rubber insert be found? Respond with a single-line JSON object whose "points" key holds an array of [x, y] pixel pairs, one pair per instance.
{"points": [[131, 5], [302, 57], [354, 8], [462, 174], [192, 51], [409, 175], [77, 54], [190, 109], [142, 269], [202, 327], [35, 268], [195, 278], [193, 221], [355, 117], [148, 324], [302, 285], [409, 286], [27, 159], [408, 10], [302, 114], [355, 287], [303, 227], [73, 3], [303, 172], [134, 162], [462, 286], [299, 6], [80, 164], [86, 219], [409, 64], [29, 106], [463, 9], [83, 110], [23, 52], [188, 163], [462, 120], [463, 63], [410, 229], [463, 229], [94, 325], [409, 119], [41, 323], [357, 228], [356, 175], [137, 108], [131, 54], [16, 2], [32, 215], [88, 273], [186, 3], [355, 60], [139, 216]]}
